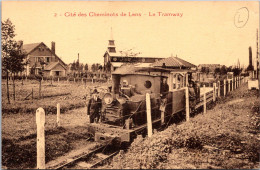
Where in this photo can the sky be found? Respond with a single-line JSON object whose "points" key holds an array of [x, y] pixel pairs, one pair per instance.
{"points": [[201, 33]]}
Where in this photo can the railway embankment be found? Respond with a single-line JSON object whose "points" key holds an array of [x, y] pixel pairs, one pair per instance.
{"points": [[226, 137]]}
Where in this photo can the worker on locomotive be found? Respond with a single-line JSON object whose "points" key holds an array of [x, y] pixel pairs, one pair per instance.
{"points": [[163, 94]]}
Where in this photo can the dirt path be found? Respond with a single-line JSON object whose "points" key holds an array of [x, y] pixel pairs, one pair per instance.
{"points": [[226, 137]]}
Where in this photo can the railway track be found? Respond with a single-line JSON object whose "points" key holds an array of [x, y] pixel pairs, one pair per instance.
{"points": [[91, 159]]}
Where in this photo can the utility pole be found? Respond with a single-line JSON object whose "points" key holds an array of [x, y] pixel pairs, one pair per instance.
{"points": [[78, 65], [257, 60]]}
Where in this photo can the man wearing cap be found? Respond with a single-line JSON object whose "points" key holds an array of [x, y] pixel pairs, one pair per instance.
{"points": [[94, 107]]}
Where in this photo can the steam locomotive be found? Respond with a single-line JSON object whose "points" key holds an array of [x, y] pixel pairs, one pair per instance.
{"points": [[123, 113]]}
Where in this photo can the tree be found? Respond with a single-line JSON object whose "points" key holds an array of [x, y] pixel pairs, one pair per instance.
{"points": [[73, 65], [12, 56], [217, 70], [205, 70], [77, 65], [40, 74], [229, 69], [108, 67], [250, 68], [100, 67], [223, 70], [17, 63], [93, 67], [236, 71], [81, 67], [97, 67], [86, 67]]}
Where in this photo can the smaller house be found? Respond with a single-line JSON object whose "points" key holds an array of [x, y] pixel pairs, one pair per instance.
{"points": [[55, 69]]}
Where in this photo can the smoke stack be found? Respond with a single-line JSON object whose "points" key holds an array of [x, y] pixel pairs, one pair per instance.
{"points": [[53, 47], [250, 57]]}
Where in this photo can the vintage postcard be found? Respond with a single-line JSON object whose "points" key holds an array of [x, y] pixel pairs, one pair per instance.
{"points": [[133, 85]]}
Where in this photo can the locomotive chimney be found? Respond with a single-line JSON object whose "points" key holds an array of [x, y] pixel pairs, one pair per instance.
{"points": [[53, 47]]}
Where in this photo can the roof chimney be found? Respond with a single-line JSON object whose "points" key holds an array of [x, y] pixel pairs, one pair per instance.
{"points": [[53, 47], [163, 65], [20, 44]]}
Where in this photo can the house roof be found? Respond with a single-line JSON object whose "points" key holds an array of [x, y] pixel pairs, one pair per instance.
{"points": [[51, 65], [173, 62], [30, 47]]}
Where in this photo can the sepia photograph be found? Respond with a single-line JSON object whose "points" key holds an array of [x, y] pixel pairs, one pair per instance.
{"points": [[130, 85]]}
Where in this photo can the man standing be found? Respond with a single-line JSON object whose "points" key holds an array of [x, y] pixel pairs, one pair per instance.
{"points": [[192, 95], [163, 102], [94, 107], [164, 88]]}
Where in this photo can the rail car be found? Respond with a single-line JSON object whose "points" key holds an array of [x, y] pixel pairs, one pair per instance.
{"points": [[123, 113]]}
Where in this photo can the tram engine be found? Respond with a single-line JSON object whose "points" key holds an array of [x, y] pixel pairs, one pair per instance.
{"points": [[124, 108], [123, 113]]}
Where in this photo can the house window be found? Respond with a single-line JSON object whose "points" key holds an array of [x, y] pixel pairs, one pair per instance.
{"points": [[48, 59], [41, 49], [111, 42]]}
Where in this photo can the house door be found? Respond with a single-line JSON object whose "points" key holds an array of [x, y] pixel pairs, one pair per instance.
{"points": [[57, 73]]}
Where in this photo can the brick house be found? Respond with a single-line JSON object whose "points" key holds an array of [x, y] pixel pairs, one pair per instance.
{"points": [[38, 53]]}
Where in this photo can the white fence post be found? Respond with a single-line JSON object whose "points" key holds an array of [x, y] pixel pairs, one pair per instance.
{"points": [[149, 116], [228, 85], [58, 114], [214, 92], [218, 89], [235, 82], [40, 122], [204, 100], [234, 85], [74, 80], [187, 104], [224, 87], [231, 84], [58, 79]]}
